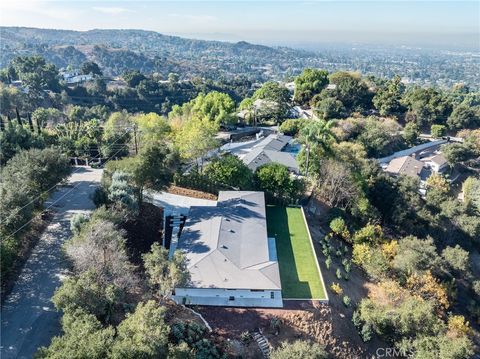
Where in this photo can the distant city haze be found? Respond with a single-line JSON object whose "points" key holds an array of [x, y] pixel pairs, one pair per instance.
{"points": [[308, 24]]}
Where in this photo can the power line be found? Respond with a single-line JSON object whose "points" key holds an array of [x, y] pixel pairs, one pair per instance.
{"points": [[53, 203], [56, 184]]}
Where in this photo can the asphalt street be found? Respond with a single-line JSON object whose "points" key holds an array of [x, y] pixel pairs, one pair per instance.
{"points": [[28, 318]]}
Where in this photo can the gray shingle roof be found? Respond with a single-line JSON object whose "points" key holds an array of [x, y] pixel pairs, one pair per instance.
{"points": [[269, 150], [259, 157], [274, 142], [439, 159], [405, 165], [227, 246]]}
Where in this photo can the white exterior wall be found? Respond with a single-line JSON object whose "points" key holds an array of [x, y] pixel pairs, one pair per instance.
{"points": [[221, 297], [436, 167]]}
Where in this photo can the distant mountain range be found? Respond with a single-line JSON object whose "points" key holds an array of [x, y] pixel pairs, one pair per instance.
{"points": [[117, 51]]}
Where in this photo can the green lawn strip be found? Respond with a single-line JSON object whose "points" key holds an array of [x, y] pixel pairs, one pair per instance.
{"points": [[298, 269]]}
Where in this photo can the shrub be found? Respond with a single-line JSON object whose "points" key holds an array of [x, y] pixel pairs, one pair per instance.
{"points": [[476, 287], [77, 221], [335, 287], [299, 349], [338, 226], [245, 337], [370, 234], [275, 324], [366, 333], [229, 170], [357, 319], [100, 197], [438, 131], [338, 273], [348, 267], [291, 127], [347, 301], [328, 262], [278, 184], [338, 253]]}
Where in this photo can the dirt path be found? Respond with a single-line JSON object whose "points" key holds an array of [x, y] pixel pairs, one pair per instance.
{"points": [[29, 319]]}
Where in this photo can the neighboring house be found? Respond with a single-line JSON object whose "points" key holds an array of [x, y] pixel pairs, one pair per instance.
{"points": [[79, 79], [259, 152], [437, 163], [259, 157], [274, 142], [75, 77], [405, 165], [69, 74], [269, 150], [231, 260], [18, 84], [298, 112]]}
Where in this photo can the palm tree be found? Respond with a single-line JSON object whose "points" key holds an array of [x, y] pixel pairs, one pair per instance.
{"points": [[317, 133]]}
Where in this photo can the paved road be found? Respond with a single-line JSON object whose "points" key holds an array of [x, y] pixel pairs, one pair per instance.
{"points": [[29, 319]]}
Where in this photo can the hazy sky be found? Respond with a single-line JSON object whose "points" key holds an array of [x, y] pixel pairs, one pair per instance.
{"points": [[271, 22]]}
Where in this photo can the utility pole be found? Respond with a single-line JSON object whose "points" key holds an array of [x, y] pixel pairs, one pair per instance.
{"points": [[307, 148], [39, 129], [135, 138], [30, 123], [19, 119]]}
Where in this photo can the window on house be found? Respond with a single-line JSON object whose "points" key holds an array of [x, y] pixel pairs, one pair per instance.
{"points": [[231, 297], [272, 295]]}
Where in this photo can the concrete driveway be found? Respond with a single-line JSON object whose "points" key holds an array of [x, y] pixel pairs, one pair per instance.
{"points": [[28, 318]]}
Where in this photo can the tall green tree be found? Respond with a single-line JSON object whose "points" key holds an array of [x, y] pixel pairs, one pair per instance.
{"points": [[388, 98], [90, 67], [143, 334], [277, 183], [317, 136], [164, 274], [230, 170], [276, 101], [309, 83], [83, 337]]}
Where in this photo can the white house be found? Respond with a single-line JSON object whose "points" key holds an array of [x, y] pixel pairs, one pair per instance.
{"points": [[437, 163], [79, 79], [231, 260]]}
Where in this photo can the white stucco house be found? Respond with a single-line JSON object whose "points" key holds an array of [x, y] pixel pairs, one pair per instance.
{"points": [[231, 260], [437, 163]]}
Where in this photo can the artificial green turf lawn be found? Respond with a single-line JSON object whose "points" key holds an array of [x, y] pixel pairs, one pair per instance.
{"points": [[298, 271]]}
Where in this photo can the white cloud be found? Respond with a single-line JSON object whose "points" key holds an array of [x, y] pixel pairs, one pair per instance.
{"points": [[111, 10], [38, 7]]}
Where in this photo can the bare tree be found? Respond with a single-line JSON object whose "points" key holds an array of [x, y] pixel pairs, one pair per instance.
{"points": [[101, 246], [335, 185]]}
